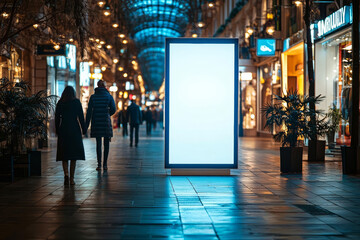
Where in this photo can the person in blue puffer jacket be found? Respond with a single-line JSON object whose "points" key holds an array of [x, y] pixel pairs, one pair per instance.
{"points": [[101, 107]]}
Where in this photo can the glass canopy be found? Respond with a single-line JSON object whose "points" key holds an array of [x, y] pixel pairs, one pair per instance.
{"points": [[151, 21]]}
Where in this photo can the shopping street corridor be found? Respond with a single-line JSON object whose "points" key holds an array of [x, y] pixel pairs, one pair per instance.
{"points": [[137, 199]]}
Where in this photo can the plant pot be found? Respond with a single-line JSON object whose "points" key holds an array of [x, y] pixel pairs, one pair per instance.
{"points": [[7, 169], [291, 159], [316, 151], [348, 160], [35, 163], [22, 165], [331, 141]]}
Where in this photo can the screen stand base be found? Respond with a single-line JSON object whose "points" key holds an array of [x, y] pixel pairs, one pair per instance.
{"points": [[200, 172]]}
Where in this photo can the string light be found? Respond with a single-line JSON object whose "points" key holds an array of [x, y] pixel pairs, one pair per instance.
{"points": [[102, 42], [107, 13], [125, 41], [115, 60], [115, 25], [194, 35], [125, 75], [211, 5], [121, 69], [5, 15], [71, 40], [91, 63], [121, 35], [36, 25], [103, 68], [109, 46], [57, 47], [101, 3]]}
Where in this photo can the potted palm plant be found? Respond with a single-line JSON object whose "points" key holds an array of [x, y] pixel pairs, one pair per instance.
{"points": [[318, 127], [290, 114], [334, 117], [23, 118]]}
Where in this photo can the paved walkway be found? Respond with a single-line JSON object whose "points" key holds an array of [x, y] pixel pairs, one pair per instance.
{"points": [[136, 199]]}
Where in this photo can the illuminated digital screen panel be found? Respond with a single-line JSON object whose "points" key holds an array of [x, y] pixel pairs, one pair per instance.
{"points": [[201, 103]]}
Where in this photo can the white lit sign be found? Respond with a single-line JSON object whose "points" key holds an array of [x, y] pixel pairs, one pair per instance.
{"points": [[71, 55], [84, 74], [246, 76], [335, 21], [127, 85], [191, 139]]}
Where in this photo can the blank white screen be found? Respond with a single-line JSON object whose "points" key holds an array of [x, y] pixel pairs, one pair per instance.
{"points": [[201, 103]]}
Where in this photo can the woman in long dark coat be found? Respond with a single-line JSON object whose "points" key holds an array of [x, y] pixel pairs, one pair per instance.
{"points": [[70, 125]]}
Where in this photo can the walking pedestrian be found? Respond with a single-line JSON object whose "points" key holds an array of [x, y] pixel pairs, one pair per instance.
{"points": [[69, 127], [101, 107], [124, 121], [148, 119], [154, 117], [134, 118]]}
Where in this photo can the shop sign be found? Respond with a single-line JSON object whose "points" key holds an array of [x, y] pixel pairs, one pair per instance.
{"points": [[84, 74], [71, 56], [338, 19], [49, 50], [265, 47], [246, 76]]}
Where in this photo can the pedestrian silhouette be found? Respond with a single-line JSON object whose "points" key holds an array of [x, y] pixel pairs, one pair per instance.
{"points": [[122, 120], [148, 120], [69, 126], [134, 118], [101, 107]]}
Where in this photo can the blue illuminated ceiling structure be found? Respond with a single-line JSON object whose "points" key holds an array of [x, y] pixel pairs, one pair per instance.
{"points": [[150, 22]]}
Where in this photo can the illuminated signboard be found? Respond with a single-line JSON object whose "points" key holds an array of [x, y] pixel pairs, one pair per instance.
{"points": [[71, 56], [337, 20], [84, 74], [199, 70], [265, 47]]}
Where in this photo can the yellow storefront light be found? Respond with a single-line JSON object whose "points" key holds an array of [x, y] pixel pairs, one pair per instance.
{"points": [[126, 94]]}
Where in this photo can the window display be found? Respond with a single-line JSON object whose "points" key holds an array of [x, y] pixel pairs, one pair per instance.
{"points": [[333, 76]]}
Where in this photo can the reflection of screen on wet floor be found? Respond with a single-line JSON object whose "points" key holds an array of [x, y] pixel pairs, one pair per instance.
{"points": [[201, 104]]}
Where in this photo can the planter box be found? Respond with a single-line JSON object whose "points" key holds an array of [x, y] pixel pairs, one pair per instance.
{"points": [[291, 159], [35, 163], [7, 169], [316, 151], [348, 160], [331, 140]]}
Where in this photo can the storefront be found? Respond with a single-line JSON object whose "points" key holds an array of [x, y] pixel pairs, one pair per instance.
{"points": [[268, 79], [12, 64], [61, 72], [247, 82], [333, 67], [292, 62]]}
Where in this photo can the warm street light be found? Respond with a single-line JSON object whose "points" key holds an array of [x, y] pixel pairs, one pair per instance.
{"points": [[36, 25], [297, 3], [101, 3], [211, 5], [270, 30], [115, 60], [250, 31]]}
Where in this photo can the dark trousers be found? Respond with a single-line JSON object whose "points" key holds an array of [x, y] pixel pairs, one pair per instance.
{"points": [[136, 127], [154, 124], [125, 130], [106, 150], [148, 127]]}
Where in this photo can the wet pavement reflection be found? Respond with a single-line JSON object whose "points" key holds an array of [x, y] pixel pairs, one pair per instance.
{"points": [[137, 199]]}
